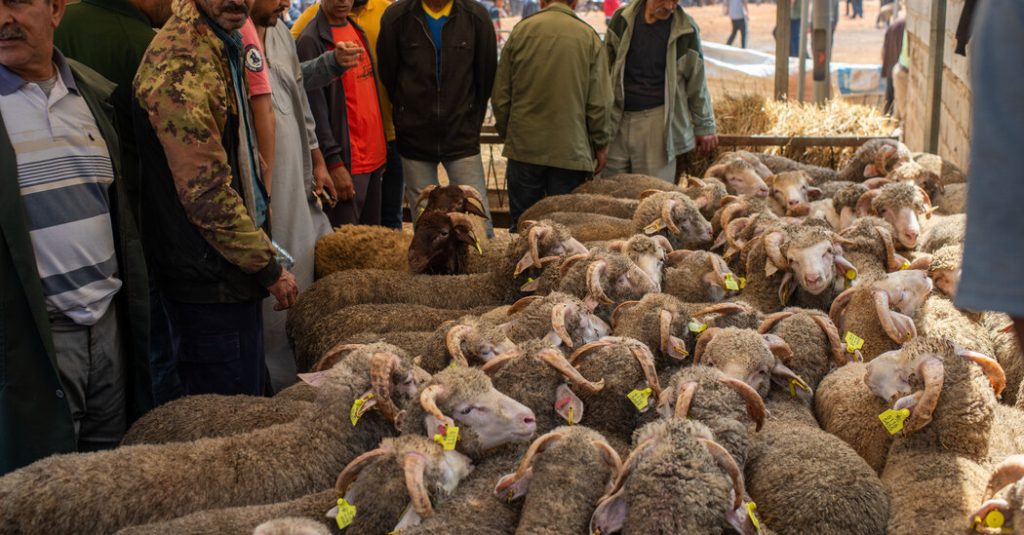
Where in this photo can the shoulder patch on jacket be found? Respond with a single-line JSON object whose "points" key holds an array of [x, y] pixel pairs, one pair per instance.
{"points": [[253, 58]]}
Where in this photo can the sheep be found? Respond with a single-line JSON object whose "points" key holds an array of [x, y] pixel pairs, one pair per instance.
{"points": [[901, 204], [953, 200], [938, 318], [1009, 507], [943, 231], [591, 227], [104, 491], [876, 317], [677, 479], [675, 216], [947, 171], [779, 164], [699, 277], [465, 399], [932, 491], [793, 193], [874, 158], [740, 175], [441, 244], [626, 186], [813, 339], [847, 409], [289, 526], [582, 202], [562, 476], [541, 378], [1006, 350], [1006, 439], [756, 359], [398, 484], [868, 245], [629, 373], [737, 314], [558, 318], [606, 278], [844, 202], [210, 415], [915, 174], [661, 323]]}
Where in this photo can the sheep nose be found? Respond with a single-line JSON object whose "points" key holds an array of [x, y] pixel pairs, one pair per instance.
{"points": [[762, 191], [794, 202], [812, 279], [911, 236]]}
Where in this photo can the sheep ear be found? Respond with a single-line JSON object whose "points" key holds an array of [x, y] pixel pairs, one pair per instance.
{"points": [[313, 378], [470, 207], [666, 402], [702, 202], [524, 263], [510, 488], [610, 514], [740, 520], [568, 405], [715, 171], [814, 193], [789, 380], [870, 171], [410, 518]]}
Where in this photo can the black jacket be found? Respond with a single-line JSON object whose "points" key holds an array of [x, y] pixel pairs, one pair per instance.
{"points": [[437, 122]]}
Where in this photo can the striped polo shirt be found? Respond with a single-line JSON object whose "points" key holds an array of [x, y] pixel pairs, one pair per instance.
{"points": [[64, 172]]}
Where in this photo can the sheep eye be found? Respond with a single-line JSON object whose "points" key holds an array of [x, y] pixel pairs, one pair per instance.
{"points": [[466, 411]]}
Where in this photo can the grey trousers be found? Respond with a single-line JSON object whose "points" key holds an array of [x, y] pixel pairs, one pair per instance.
{"points": [[639, 146], [467, 171], [90, 363]]}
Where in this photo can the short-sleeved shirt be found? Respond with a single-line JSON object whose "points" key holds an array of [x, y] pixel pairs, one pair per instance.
{"points": [[255, 61], [736, 11], [365, 126], [644, 74]]}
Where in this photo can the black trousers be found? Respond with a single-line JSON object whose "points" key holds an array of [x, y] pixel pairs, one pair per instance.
{"points": [[218, 347], [529, 183]]}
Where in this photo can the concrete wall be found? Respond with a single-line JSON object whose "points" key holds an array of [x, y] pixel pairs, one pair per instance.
{"points": [[955, 115]]}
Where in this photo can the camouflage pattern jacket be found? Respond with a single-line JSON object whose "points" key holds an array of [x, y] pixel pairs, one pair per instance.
{"points": [[198, 195]]}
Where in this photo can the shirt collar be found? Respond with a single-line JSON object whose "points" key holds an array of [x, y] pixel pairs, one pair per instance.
{"points": [[11, 82], [121, 6], [558, 6]]}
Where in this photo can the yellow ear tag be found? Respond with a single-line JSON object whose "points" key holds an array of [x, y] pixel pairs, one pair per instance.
{"points": [[681, 350], [422, 209], [893, 419], [654, 226], [346, 513], [356, 411], [570, 416], [743, 282], [853, 342], [851, 274], [730, 283], [640, 398], [905, 266], [795, 383], [751, 506], [479, 251], [995, 519], [450, 437], [696, 327]]}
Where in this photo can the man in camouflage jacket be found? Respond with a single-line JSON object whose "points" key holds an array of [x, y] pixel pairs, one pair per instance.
{"points": [[204, 207]]}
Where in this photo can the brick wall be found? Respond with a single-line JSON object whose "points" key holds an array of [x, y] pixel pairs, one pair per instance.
{"points": [[955, 113]]}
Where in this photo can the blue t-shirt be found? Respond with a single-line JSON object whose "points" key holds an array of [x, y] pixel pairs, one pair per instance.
{"points": [[435, 21]]}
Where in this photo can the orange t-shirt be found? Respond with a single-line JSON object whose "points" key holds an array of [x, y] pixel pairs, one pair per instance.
{"points": [[365, 127]]}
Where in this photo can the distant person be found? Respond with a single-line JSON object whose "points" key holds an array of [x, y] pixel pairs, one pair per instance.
{"points": [[891, 48], [885, 13], [610, 7], [858, 9], [662, 105], [995, 223], [794, 27], [437, 60], [556, 132], [737, 11], [900, 80]]}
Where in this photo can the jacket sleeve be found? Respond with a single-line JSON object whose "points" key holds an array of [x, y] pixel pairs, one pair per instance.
{"points": [[320, 71], [695, 84], [501, 96], [309, 48], [179, 110], [485, 61], [387, 54], [599, 100], [611, 38]]}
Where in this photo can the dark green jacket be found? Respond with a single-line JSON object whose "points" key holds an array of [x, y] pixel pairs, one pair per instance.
{"points": [[35, 420]]}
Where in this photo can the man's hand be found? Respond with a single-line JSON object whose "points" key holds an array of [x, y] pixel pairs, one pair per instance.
{"points": [[707, 144], [343, 183], [601, 155], [284, 290], [322, 181], [347, 53]]}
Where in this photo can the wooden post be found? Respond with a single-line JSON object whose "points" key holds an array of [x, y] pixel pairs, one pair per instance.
{"points": [[805, 9], [820, 37], [782, 49], [933, 94]]}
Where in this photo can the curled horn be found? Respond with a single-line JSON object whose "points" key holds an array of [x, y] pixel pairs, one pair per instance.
{"points": [[685, 398], [728, 464], [770, 321], [472, 194], [865, 201], [677, 256], [422, 198], [528, 458], [523, 303], [663, 242], [881, 159], [832, 333], [611, 457], [453, 342], [587, 348], [734, 228], [877, 182], [569, 261], [382, 366], [594, 272], [558, 314], [492, 365], [778, 347], [664, 329], [532, 239], [627, 467], [1006, 473], [334, 355], [428, 400], [621, 308], [724, 309], [773, 248], [753, 401], [703, 341], [927, 200], [693, 181], [885, 317], [557, 360], [890, 249], [838, 308], [993, 371], [932, 372], [648, 192], [666, 216], [730, 211], [414, 465], [351, 471], [644, 357], [717, 268], [459, 218]]}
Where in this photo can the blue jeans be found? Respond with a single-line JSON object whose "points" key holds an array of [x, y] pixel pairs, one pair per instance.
{"points": [[219, 347], [529, 183], [794, 38], [738, 26], [391, 190]]}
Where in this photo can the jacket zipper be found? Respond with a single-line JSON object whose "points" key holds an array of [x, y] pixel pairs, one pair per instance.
{"points": [[437, 79]]}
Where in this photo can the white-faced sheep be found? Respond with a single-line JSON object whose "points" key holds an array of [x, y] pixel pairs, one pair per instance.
{"points": [[557, 318], [562, 476], [105, 491], [606, 278], [793, 193], [290, 526], [780, 164], [874, 158], [1006, 510], [901, 204], [877, 316], [847, 409], [676, 480], [740, 175], [813, 340]]}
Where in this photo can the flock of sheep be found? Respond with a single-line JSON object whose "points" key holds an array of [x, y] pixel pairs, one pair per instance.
{"points": [[769, 349]]}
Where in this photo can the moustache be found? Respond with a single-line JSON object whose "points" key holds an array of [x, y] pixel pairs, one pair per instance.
{"points": [[241, 9], [12, 31]]}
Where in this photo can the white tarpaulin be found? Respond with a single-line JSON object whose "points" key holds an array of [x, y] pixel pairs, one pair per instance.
{"points": [[738, 71]]}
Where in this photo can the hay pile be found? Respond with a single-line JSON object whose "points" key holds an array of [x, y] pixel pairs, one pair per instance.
{"points": [[757, 115]]}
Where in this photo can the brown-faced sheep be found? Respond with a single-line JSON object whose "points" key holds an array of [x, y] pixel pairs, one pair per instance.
{"points": [[442, 243], [877, 316]]}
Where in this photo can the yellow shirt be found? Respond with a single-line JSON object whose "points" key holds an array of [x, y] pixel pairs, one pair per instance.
{"points": [[445, 11], [368, 18]]}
